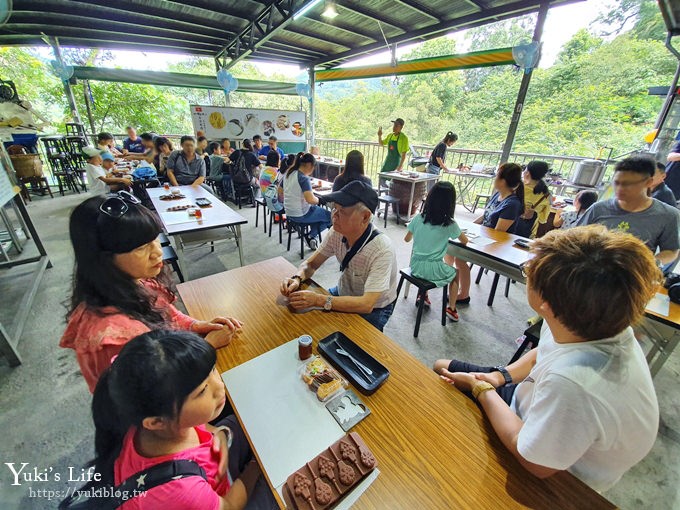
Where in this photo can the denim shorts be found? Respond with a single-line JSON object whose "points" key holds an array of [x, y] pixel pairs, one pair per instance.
{"points": [[378, 317]]}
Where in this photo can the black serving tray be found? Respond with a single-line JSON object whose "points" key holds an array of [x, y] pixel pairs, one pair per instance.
{"points": [[365, 384]]}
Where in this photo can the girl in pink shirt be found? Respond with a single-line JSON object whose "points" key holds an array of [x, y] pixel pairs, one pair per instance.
{"points": [[153, 405], [119, 287]]}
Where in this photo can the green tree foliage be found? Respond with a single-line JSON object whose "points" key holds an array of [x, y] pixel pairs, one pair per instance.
{"points": [[594, 95], [34, 82], [643, 15]]}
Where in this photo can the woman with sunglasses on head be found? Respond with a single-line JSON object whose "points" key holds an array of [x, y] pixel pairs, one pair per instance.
{"points": [[119, 287]]}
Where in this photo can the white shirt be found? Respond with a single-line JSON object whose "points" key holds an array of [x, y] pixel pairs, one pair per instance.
{"points": [[294, 186], [588, 407], [372, 269], [96, 185]]}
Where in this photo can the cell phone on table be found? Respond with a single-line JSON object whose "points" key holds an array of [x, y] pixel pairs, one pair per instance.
{"points": [[522, 243], [203, 202]]}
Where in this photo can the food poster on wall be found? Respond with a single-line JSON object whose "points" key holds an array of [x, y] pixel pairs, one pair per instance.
{"points": [[239, 123]]}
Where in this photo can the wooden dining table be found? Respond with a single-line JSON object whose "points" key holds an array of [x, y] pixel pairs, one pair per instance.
{"points": [[505, 258], [435, 449]]}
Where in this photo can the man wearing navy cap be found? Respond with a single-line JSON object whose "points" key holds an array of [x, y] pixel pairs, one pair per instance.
{"points": [[368, 264]]}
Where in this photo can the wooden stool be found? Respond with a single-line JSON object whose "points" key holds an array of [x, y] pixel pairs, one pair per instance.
{"points": [[170, 256], [260, 202], [478, 198], [389, 200], [423, 287]]}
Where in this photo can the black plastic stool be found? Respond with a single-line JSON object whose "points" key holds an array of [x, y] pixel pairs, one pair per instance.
{"points": [[423, 287], [260, 202], [389, 200], [170, 256], [163, 239]]}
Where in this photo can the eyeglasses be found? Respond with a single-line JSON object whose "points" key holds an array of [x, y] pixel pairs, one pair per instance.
{"points": [[522, 269], [117, 203], [619, 184]]}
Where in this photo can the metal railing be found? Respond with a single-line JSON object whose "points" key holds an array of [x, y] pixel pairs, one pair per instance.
{"points": [[456, 158]]}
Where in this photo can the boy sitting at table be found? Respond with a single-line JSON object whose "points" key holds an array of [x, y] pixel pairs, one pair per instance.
{"points": [[583, 400], [99, 180]]}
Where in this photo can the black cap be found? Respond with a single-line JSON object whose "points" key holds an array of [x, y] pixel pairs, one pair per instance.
{"points": [[353, 193], [398, 120]]}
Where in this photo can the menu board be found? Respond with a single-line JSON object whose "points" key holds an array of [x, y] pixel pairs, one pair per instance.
{"points": [[239, 123]]}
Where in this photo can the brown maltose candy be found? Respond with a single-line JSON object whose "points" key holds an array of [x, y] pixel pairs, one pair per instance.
{"points": [[333, 475]]}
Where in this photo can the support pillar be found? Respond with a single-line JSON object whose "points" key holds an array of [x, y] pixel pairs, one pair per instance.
{"points": [[312, 109], [88, 107], [671, 90], [523, 88]]}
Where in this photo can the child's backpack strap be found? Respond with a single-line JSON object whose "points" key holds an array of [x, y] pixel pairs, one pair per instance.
{"points": [[114, 497]]}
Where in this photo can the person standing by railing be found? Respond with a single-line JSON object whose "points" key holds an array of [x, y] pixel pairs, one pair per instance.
{"points": [[438, 157]]}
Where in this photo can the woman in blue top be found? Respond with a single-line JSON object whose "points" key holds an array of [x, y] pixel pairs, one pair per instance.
{"points": [[501, 213], [431, 231], [301, 203]]}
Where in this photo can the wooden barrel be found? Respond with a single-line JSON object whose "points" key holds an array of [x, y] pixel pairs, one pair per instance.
{"points": [[27, 165], [402, 191]]}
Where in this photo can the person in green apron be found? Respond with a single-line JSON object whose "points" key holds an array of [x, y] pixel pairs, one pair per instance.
{"points": [[397, 147]]}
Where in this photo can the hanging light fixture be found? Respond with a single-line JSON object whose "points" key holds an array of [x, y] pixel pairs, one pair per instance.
{"points": [[330, 11]]}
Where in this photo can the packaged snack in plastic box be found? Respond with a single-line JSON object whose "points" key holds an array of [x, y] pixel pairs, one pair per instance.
{"points": [[322, 379]]}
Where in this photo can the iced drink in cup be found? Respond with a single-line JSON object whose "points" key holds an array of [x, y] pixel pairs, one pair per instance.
{"points": [[166, 186], [198, 213]]}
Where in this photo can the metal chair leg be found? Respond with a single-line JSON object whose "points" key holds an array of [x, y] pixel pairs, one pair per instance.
{"points": [[401, 281], [445, 301], [494, 285], [479, 275], [421, 304]]}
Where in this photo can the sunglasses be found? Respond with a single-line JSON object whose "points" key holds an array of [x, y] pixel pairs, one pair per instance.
{"points": [[117, 203]]}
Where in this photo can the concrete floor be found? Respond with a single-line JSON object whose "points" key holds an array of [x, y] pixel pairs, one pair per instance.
{"points": [[44, 403]]}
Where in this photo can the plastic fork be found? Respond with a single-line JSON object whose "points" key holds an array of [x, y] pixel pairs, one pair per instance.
{"points": [[359, 365]]}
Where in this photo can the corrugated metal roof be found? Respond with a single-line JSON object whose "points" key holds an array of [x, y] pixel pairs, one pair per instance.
{"points": [[207, 27]]}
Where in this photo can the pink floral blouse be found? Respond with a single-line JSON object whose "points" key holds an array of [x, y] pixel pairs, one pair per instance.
{"points": [[99, 335]]}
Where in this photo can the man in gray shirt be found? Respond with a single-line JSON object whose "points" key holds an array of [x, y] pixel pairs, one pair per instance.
{"points": [[185, 167], [653, 222]]}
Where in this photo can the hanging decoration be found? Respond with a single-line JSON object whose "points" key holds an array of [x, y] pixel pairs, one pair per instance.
{"points": [[304, 90], [227, 81], [527, 55], [62, 71], [5, 10]]}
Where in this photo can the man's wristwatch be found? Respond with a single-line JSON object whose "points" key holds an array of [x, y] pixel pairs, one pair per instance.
{"points": [[504, 372], [328, 305]]}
